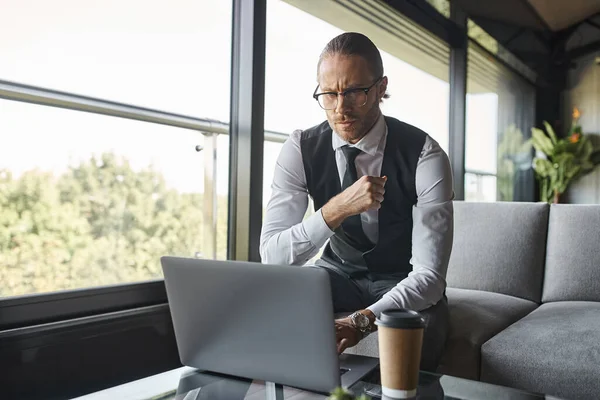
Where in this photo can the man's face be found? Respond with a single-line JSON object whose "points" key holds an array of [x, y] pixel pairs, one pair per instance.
{"points": [[338, 73]]}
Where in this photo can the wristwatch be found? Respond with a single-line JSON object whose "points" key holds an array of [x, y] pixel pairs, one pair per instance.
{"points": [[362, 323]]}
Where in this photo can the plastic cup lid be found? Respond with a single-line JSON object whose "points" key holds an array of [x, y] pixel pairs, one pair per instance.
{"points": [[401, 319]]}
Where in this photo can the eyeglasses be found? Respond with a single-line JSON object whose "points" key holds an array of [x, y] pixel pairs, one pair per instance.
{"points": [[356, 97]]}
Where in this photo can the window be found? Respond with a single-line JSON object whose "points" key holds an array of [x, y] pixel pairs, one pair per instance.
{"points": [[172, 56], [92, 200], [487, 41], [415, 62], [499, 118]]}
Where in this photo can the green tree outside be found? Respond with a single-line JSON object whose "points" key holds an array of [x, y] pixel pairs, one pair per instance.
{"points": [[99, 223]]}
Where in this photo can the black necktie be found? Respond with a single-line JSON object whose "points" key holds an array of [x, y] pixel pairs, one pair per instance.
{"points": [[352, 225]]}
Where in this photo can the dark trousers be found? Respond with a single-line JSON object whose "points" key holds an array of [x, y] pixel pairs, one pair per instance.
{"points": [[356, 293]]}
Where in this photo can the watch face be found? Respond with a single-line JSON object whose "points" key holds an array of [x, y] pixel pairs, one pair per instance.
{"points": [[361, 321]]}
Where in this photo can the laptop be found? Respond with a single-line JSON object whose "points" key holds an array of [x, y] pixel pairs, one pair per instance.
{"points": [[258, 321]]}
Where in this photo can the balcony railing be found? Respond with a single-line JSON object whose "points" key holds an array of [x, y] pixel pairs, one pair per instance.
{"points": [[210, 128]]}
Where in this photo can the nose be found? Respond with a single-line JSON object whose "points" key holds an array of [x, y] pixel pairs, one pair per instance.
{"points": [[342, 104]]}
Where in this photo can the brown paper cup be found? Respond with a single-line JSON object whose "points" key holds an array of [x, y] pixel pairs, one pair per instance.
{"points": [[400, 340]]}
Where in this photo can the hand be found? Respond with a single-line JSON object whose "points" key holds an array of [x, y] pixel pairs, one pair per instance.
{"points": [[364, 194], [346, 334]]}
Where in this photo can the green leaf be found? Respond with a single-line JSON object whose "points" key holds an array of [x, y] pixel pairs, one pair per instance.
{"points": [[546, 191], [550, 132], [560, 148], [541, 142], [340, 394], [542, 167], [572, 172], [343, 394]]}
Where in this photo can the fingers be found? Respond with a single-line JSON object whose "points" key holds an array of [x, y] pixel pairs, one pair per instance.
{"points": [[375, 185], [380, 181], [339, 331], [379, 190], [342, 345], [342, 322], [378, 197], [376, 180], [375, 206], [365, 194], [374, 201], [371, 183], [372, 180]]}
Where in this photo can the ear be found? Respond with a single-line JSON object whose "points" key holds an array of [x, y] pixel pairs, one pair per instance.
{"points": [[382, 87]]}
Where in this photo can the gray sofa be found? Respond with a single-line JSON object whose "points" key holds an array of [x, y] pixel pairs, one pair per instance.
{"points": [[524, 297]]}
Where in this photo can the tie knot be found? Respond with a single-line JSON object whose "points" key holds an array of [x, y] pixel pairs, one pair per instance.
{"points": [[351, 153]]}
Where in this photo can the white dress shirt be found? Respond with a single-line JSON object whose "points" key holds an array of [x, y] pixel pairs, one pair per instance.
{"points": [[288, 239]]}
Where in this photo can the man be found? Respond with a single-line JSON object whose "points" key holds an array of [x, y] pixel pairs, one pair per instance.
{"points": [[382, 191]]}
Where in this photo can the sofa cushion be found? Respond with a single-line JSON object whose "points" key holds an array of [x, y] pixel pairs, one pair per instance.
{"points": [[476, 316], [573, 254], [499, 247], [554, 350]]}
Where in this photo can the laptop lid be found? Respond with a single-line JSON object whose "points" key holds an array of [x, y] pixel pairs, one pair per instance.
{"points": [[273, 323]]}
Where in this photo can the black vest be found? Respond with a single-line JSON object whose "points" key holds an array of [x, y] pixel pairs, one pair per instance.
{"points": [[391, 254]]}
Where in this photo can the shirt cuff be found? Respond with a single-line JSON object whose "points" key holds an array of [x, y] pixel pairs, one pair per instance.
{"points": [[317, 229], [382, 305]]}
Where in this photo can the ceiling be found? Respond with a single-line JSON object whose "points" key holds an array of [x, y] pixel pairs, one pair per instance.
{"points": [[541, 15], [544, 34], [560, 14]]}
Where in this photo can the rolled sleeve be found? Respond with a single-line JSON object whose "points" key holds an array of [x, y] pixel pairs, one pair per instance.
{"points": [[316, 229]]}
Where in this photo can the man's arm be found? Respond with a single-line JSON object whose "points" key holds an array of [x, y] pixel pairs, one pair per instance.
{"points": [[432, 244], [285, 237], [432, 235]]}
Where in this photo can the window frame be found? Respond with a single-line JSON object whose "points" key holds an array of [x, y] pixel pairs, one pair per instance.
{"points": [[36, 309]]}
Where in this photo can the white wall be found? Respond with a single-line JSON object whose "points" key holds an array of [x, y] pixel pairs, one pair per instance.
{"points": [[584, 92]]}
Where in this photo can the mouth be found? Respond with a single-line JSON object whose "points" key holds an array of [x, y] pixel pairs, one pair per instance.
{"points": [[346, 124]]}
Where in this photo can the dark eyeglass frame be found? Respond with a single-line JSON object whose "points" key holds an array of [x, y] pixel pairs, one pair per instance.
{"points": [[344, 93]]}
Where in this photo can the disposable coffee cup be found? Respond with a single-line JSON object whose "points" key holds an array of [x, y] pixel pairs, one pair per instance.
{"points": [[400, 340]]}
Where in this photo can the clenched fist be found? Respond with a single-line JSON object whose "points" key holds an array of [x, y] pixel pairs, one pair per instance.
{"points": [[365, 194]]}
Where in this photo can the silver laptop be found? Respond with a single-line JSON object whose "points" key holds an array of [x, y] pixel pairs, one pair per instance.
{"points": [[265, 322]]}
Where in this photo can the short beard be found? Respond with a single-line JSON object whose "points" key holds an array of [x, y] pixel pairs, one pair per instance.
{"points": [[366, 124]]}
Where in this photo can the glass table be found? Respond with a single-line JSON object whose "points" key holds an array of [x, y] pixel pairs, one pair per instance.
{"points": [[190, 384]]}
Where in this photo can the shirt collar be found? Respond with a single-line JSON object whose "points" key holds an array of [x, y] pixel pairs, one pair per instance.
{"points": [[369, 143]]}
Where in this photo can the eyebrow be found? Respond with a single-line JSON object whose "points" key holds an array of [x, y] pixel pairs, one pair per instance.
{"points": [[350, 87]]}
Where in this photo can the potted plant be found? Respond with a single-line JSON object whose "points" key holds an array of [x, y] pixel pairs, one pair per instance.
{"points": [[342, 394], [560, 162]]}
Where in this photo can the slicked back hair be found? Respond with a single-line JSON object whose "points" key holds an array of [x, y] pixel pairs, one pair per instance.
{"points": [[355, 44]]}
